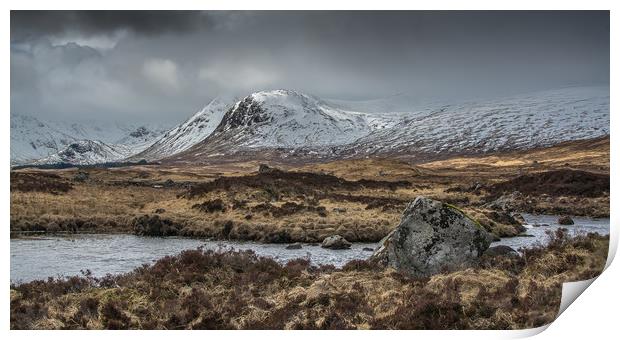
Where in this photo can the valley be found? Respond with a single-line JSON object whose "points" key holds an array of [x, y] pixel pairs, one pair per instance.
{"points": [[283, 203], [237, 245], [308, 169], [284, 210]]}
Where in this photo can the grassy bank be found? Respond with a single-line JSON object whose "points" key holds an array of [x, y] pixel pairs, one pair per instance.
{"points": [[361, 200], [238, 290]]}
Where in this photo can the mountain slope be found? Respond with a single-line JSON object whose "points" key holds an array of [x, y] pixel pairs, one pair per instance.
{"points": [[518, 122], [190, 132], [141, 138], [284, 118], [287, 124], [88, 152], [33, 138], [287, 119]]}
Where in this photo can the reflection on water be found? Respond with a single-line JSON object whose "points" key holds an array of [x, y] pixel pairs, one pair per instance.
{"points": [[538, 225], [41, 257]]}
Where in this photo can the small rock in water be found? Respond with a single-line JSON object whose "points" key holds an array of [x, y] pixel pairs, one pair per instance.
{"points": [[336, 242], [525, 235], [294, 246], [519, 218], [565, 220], [368, 249]]}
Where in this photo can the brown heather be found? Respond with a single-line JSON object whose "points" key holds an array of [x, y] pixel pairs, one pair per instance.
{"points": [[200, 289]]}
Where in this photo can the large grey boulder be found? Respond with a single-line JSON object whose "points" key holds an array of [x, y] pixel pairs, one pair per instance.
{"points": [[432, 236]]}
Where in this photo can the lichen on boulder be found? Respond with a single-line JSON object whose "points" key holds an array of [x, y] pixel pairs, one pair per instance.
{"points": [[431, 237]]}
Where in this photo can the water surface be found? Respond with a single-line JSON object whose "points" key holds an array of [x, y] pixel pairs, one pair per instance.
{"points": [[44, 256], [41, 257], [538, 225]]}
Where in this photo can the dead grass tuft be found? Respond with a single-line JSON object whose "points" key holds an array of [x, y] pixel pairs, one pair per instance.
{"points": [[203, 289]]}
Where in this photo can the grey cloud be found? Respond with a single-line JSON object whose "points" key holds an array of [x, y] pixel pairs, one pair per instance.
{"points": [[172, 63], [29, 24]]}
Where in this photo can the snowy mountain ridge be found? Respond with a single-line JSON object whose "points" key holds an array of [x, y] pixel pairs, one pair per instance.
{"points": [[517, 122], [198, 127], [87, 152], [289, 124], [33, 138], [297, 124], [285, 118]]}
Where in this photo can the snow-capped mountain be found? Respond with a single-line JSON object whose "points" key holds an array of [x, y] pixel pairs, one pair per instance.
{"points": [[141, 138], [518, 122], [87, 152], [289, 119], [290, 124], [195, 129], [285, 118], [34, 138]]}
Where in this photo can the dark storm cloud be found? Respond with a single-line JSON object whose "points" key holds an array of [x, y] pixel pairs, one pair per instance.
{"points": [[28, 24], [165, 65]]}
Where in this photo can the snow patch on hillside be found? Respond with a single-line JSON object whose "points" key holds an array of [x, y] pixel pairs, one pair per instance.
{"points": [[288, 119], [87, 152], [293, 123], [516, 122], [192, 131], [33, 138]]}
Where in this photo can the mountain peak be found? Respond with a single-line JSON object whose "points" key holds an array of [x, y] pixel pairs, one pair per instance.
{"points": [[284, 97], [87, 152], [288, 118]]}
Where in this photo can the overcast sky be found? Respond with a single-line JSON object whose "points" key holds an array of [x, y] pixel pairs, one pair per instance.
{"points": [[164, 66]]}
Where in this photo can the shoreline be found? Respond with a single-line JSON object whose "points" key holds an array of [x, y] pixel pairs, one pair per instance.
{"points": [[38, 228], [149, 248], [497, 292]]}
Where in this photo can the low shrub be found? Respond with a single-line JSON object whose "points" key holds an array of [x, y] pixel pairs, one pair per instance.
{"points": [[208, 289]]}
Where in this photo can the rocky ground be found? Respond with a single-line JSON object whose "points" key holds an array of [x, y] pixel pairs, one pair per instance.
{"points": [[361, 200]]}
